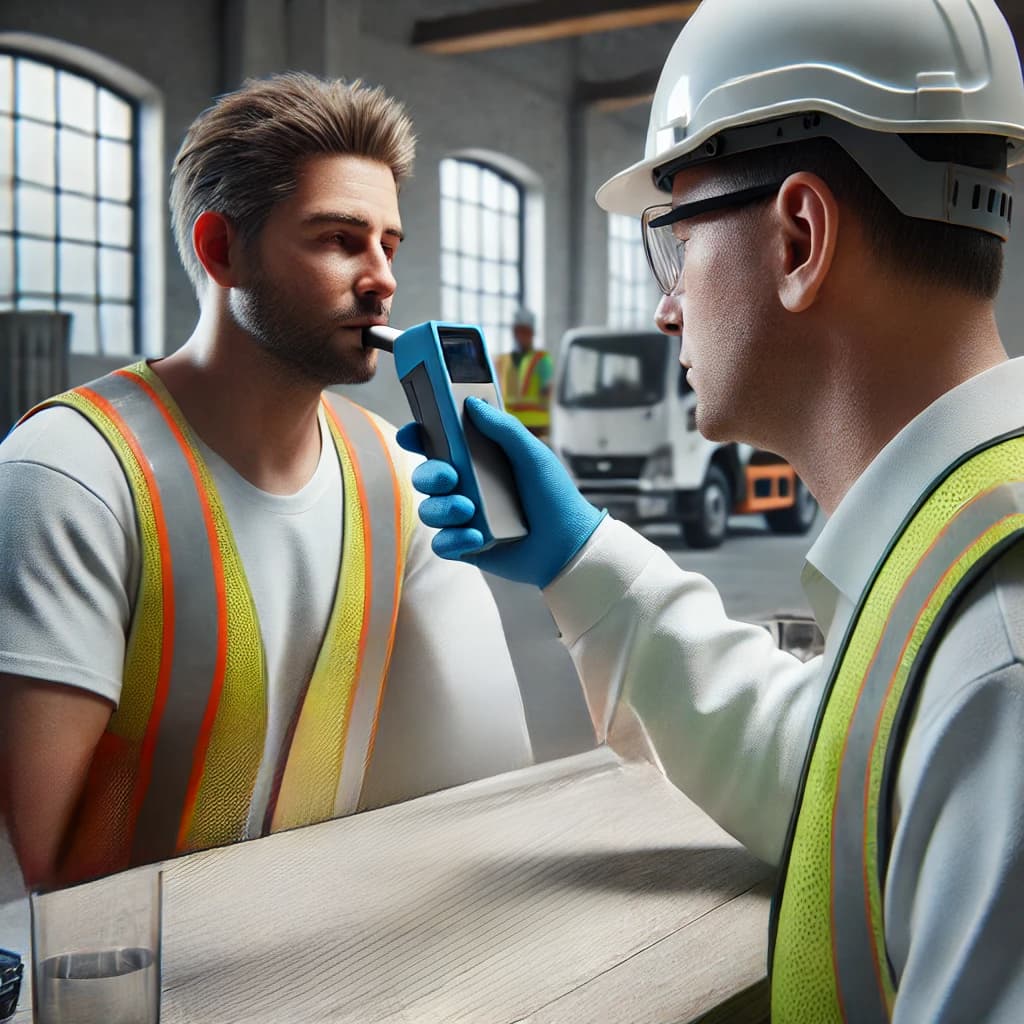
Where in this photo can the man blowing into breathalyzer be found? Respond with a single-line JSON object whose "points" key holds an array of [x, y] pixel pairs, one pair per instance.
{"points": [[219, 615]]}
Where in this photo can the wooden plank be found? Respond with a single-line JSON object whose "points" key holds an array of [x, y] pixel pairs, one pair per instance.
{"points": [[488, 903], [696, 967], [540, 21]]}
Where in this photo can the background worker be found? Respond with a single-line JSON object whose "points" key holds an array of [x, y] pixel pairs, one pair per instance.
{"points": [[524, 375], [219, 616], [824, 202]]}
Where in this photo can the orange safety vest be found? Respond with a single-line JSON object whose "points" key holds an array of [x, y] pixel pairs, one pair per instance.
{"points": [[521, 389], [176, 767]]}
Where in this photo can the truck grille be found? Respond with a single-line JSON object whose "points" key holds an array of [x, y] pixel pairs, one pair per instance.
{"points": [[607, 467]]}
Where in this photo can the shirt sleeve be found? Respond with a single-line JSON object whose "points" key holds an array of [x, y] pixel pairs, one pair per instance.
{"points": [[453, 711], [729, 714], [64, 601]]}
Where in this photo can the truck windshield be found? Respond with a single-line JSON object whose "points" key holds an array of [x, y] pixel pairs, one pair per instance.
{"points": [[614, 371]]}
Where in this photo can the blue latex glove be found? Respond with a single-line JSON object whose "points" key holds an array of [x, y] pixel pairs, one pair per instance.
{"points": [[559, 519]]}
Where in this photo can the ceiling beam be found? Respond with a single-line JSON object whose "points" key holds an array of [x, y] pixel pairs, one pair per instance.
{"points": [[540, 21], [619, 93]]}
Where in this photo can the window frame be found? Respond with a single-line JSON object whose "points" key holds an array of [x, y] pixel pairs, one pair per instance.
{"points": [[503, 342], [633, 297], [145, 279]]}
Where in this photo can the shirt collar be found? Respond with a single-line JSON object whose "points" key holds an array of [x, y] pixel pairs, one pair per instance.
{"points": [[852, 542]]}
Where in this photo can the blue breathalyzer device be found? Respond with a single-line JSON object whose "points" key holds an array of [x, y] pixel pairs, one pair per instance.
{"points": [[440, 365]]}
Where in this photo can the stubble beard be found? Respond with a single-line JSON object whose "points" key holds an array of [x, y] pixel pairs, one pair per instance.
{"points": [[304, 349]]}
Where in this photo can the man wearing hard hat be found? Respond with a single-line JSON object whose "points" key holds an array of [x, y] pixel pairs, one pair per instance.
{"points": [[524, 376], [835, 175]]}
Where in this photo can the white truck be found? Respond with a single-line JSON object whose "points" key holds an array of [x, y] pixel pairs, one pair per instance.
{"points": [[623, 421]]}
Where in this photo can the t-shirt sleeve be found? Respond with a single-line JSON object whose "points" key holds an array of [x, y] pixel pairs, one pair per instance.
{"points": [[64, 580]]}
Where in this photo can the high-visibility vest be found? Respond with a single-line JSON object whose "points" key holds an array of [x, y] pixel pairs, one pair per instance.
{"points": [[521, 388], [828, 955], [175, 769]]}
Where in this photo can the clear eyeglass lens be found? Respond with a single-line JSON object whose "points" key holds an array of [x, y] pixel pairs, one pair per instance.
{"points": [[664, 250]]}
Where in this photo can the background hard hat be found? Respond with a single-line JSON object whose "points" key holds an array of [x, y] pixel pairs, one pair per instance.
{"points": [[886, 65], [524, 317]]}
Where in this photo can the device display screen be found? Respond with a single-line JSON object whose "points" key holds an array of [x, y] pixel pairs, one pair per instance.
{"points": [[463, 352]]}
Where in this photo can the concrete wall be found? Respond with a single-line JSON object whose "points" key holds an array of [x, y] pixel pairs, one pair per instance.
{"points": [[515, 102]]}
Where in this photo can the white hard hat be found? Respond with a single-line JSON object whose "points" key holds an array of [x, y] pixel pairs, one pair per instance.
{"points": [[869, 68], [524, 317]]}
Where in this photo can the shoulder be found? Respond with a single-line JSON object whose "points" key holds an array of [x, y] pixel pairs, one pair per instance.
{"points": [[345, 407], [978, 663], [984, 634], [59, 440]]}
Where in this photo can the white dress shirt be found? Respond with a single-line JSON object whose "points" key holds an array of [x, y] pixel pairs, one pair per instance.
{"points": [[731, 716]]}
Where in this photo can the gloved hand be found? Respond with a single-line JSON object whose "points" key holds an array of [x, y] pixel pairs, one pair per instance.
{"points": [[559, 519]]}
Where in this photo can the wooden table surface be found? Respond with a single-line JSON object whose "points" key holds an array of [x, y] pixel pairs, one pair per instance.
{"points": [[583, 890]]}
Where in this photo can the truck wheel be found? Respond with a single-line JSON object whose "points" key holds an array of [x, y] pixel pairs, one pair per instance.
{"points": [[799, 517], [709, 527]]}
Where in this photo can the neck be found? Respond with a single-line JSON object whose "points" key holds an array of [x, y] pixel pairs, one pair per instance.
{"points": [[243, 405], [867, 382]]}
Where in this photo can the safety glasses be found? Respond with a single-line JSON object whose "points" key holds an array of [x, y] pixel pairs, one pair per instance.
{"points": [[664, 243]]}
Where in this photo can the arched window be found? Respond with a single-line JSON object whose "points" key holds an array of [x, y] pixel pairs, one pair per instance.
{"points": [[482, 241], [632, 294], [69, 200]]}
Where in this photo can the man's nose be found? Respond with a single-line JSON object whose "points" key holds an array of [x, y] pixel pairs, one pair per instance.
{"points": [[669, 314], [376, 277]]}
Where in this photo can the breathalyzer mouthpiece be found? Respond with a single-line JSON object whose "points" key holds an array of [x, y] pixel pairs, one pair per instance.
{"points": [[380, 337]]}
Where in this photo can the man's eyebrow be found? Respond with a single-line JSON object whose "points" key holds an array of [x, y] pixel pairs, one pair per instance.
{"points": [[331, 217]]}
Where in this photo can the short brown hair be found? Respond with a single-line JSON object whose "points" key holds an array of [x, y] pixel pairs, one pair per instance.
{"points": [[239, 157], [933, 251]]}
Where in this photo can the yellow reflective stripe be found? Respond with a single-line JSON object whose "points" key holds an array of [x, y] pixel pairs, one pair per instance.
{"points": [[115, 786], [529, 384], [310, 781], [530, 417], [990, 539], [804, 969], [383, 508], [224, 767], [145, 638]]}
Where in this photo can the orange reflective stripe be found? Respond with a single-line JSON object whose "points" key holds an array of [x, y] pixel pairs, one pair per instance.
{"points": [[167, 611], [399, 576], [231, 718], [526, 407], [309, 783], [217, 677]]}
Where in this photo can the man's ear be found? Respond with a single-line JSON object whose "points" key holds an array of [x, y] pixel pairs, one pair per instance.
{"points": [[809, 217], [218, 247]]}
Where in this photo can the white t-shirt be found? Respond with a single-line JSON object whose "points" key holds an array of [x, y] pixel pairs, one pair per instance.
{"points": [[452, 710]]}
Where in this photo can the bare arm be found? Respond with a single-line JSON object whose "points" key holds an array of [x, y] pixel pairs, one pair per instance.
{"points": [[49, 735]]}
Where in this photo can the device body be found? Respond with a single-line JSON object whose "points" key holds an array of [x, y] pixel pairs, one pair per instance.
{"points": [[440, 365]]}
